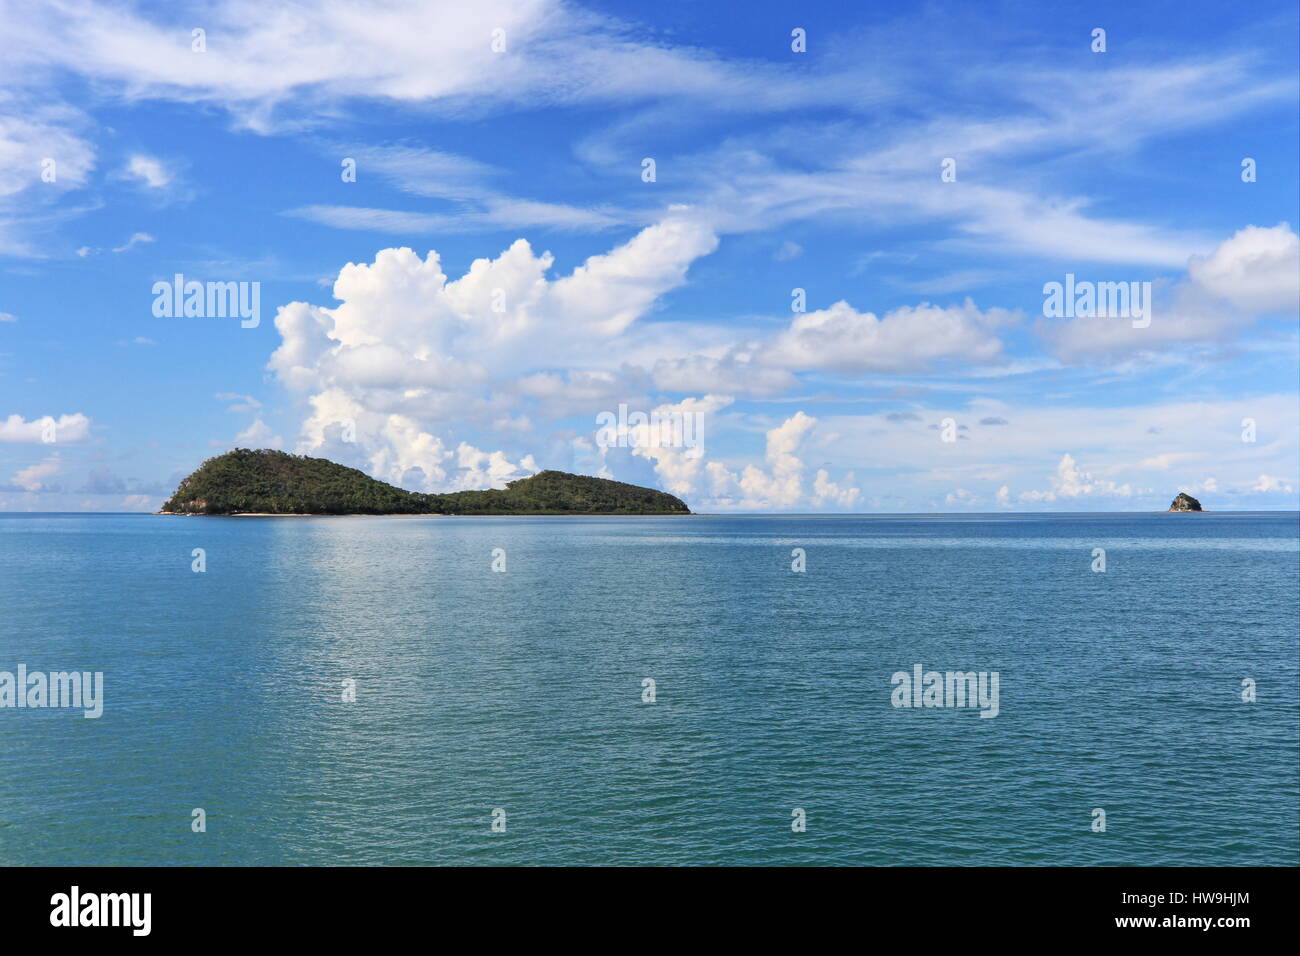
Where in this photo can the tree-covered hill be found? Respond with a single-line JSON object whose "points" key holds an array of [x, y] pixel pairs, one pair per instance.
{"points": [[273, 482], [558, 492]]}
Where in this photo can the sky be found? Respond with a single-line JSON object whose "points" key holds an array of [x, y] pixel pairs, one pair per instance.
{"points": [[824, 234]]}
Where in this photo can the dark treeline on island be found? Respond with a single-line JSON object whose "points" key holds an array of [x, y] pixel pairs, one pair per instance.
{"points": [[273, 482]]}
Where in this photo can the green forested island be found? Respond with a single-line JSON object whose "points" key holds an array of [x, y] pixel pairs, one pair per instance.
{"points": [[244, 481]]}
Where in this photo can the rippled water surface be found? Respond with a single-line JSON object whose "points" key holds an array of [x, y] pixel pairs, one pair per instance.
{"points": [[522, 690]]}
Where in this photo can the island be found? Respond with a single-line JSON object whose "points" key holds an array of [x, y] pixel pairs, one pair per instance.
{"points": [[268, 482], [1185, 502]]}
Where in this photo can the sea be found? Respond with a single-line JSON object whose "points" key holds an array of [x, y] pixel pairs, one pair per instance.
{"points": [[652, 690]]}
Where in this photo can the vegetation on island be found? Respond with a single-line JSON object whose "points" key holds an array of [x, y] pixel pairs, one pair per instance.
{"points": [[264, 481]]}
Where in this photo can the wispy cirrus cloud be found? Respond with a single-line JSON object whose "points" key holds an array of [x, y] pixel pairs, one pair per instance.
{"points": [[494, 214], [320, 54], [470, 186]]}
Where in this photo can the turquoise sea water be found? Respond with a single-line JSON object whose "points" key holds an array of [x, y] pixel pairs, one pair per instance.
{"points": [[522, 690]]}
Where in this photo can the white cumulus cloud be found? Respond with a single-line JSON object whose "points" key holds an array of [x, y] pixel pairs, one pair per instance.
{"points": [[1070, 481], [1257, 269], [910, 338], [410, 353], [65, 428]]}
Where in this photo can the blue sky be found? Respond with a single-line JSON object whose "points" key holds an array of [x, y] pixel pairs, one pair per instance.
{"points": [[562, 284]]}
